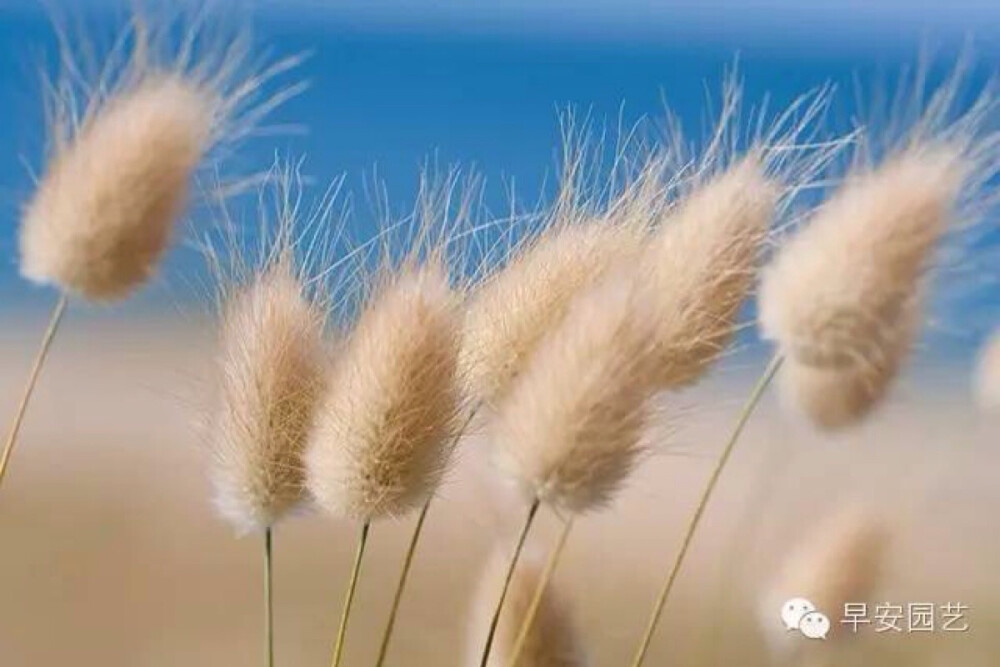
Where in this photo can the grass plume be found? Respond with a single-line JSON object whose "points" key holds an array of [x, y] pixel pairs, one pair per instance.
{"points": [[124, 146], [272, 305], [380, 442], [703, 263], [842, 298], [272, 371], [570, 431], [513, 308], [390, 416]]}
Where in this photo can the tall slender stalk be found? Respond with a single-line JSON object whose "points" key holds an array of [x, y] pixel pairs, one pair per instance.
{"points": [[532, 511], [403, 576], [410, 551], [536, 600], [345, 615], [29, 388], [777, 462], [741, 422], [268, 602]]}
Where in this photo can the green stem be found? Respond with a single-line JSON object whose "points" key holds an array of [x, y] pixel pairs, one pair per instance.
{"points": [[536, 600], [741, 422], [532, 511], [345, 615], [268, 601], [410, 551], [29, 388]]}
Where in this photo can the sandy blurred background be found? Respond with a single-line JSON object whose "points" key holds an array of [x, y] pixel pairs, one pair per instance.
{"points": [[112, 555]]}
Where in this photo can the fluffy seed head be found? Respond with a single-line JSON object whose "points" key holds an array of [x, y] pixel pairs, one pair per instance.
{"points": [[124, 144], [552, 640], [571, 427], [701, 265], [511, 312], [103, 213], [840, 562], [841, 294], [271, 375], [834, 397], [385, 427]]}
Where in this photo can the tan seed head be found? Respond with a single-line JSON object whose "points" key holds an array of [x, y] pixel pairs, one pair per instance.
{"points": [[124, 145], [841, 295], [271, 374], [104, 211], [513, 309], [570, 429], [702, 263], [384, 431]]}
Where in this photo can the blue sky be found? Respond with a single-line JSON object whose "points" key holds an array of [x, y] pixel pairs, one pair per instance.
{"points": [[827, 24], [831, 19]]}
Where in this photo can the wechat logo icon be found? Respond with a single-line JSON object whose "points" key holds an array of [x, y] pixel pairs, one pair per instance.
{"points": [[801, 615]]}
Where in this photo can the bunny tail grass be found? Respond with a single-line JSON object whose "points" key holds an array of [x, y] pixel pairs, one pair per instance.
{"points": [[536, 600], [29, 388], [268, 601], [530, 519], [741, 422], [345, 616], [126, 142], [404, 575]]}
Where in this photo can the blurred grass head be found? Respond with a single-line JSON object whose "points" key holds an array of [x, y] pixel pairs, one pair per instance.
{"points": [[126, 138], [553, 640], [842, 297]]}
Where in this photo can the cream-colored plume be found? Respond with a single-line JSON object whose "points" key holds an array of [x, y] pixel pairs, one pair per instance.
{"points": [[119, 171], [841, 561], [514, 308], [384, 431], [840, 298], [271, 375], [104, 211], [571, 427], [837, 396], [552, 641], [701, 264]]}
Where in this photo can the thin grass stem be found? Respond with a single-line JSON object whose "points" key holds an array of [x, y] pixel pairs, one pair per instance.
{"points": [[536, 600], [403, 576], [268, 602], [530, 519], [29, 388], [345, 616], [741, 422], [408, 560]]}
